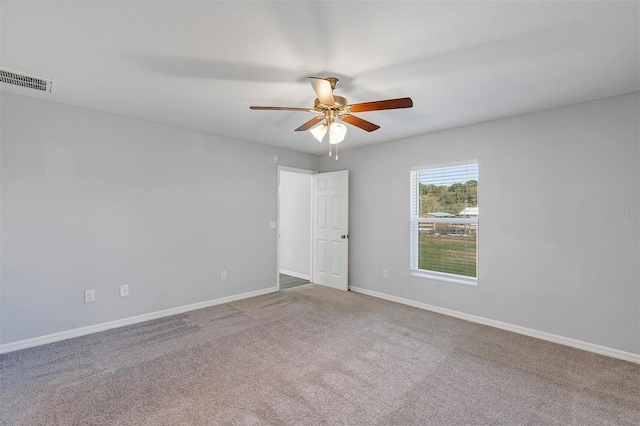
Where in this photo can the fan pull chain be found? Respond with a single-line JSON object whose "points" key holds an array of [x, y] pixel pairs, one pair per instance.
{"points": [[331, 154]]}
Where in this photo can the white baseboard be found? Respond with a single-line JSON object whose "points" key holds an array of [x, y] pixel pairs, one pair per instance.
{"points": [[295, 274], [578, 344], [83, 331]]}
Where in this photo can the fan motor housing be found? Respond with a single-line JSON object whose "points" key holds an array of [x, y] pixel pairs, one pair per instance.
{"points": [[339, 103]]}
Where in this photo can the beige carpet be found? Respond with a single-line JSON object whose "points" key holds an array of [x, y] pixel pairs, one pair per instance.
{"points": [[314, 356]]}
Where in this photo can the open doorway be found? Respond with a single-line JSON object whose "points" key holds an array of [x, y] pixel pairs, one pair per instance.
{"points": [[295, 220], [313, 223]]}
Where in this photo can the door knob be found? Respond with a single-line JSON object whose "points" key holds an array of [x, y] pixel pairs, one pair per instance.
{"points": [[344, 236]]}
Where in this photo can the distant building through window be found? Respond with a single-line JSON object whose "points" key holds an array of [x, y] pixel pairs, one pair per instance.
{"points": [[444, 222]]}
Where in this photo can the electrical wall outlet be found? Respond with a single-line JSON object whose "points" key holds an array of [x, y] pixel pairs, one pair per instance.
{"points": [[89, 296], [223, 275], [124, 290], [385, 273]]}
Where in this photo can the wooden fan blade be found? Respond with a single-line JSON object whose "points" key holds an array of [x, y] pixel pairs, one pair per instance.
{"points": [[323, 90], [380, 105], [270, 108], [359, 122], [309, 124]]}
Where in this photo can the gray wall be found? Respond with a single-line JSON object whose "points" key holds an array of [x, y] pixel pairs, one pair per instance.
{"points": [[554, 255], [93, 200], [295, 224]]}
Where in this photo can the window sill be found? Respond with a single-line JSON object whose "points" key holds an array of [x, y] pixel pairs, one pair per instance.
{"points": [[457, 279]]}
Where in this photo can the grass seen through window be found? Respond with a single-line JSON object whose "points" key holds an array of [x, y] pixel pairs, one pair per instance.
{"points": [[450, 254]]}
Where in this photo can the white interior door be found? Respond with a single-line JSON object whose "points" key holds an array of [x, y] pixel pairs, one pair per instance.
{"points": [[331, 229]]}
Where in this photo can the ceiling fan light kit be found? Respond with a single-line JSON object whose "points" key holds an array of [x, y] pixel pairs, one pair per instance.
{"points": [[337, 132], [319, 131], [331, 107]]}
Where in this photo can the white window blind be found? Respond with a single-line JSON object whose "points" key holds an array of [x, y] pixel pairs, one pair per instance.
{"points": [[444, 222]]}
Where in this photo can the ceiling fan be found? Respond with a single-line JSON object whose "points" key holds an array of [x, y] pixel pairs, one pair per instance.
{"points": [[332, 109]]}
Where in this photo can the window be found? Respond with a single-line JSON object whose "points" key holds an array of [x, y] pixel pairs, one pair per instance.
{"points": [[444, 222]]}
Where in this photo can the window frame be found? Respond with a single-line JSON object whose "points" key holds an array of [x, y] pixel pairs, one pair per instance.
{"points": [[415, 221]]}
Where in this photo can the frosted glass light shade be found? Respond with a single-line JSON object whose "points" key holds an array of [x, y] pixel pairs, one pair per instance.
{"points": [[318, 132], [337, 132]]}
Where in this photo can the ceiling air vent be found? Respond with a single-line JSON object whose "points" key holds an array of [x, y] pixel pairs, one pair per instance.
{"points": [[24, 80]]}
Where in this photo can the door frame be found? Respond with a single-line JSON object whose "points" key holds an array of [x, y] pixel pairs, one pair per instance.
{"points": [[278, 218]]}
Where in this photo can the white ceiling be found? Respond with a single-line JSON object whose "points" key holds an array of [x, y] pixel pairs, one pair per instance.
{"points": [[199, 65]]}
